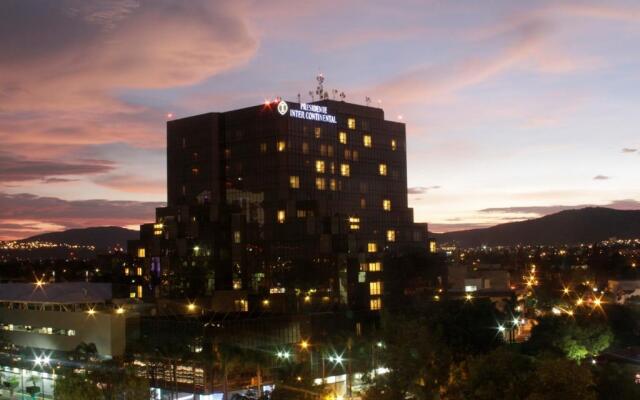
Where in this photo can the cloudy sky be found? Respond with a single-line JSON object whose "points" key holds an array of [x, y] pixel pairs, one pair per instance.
{"points": [[513, 109]]}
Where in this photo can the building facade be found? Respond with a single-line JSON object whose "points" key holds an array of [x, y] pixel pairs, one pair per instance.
{"points": [[291, 200]]}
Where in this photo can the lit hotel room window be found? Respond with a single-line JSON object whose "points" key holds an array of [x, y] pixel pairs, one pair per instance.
{"points": [[375, 304], [320, 167], [305, 148], [375, 266], [294, 182], [237, 237], [351, 123], [320, 184], [317, 132], [195, 171], [282, 145], [383, 169], [263, 147], [332, 185], [394, 144], [281, 216], [342, 137], [366, 140], [344, 169], [141, 252], [391, 236], [375, 288], [386, 204], [372, 247]]}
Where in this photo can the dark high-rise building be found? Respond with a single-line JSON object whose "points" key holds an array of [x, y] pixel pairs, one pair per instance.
{"points": [[282, 198]]}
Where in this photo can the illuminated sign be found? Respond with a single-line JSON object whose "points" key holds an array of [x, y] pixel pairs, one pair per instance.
{"points": [[312, 112], [283, 107]]}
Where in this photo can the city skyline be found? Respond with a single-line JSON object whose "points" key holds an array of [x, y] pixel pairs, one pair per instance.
{"points": [[512, 111]]}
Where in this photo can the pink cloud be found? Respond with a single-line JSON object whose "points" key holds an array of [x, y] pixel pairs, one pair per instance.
{"points": [[37, 214]]}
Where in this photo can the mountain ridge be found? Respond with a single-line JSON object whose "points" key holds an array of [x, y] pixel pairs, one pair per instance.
{"points": [[102, 237], [584, 225]]}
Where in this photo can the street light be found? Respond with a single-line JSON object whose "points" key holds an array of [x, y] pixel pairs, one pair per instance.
{"points": [[304, 345]]}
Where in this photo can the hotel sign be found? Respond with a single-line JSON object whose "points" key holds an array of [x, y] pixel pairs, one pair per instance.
{"points": [[311, 112]]}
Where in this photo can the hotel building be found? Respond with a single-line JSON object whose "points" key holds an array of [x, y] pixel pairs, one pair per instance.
{"points": [[285, 199]]}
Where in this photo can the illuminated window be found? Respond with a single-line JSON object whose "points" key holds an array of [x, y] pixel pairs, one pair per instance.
{"points": [[294, 182], [237, 237], [126, 271], [372, 247], [194, 171], [363, 202], [141, 252], [263, 147], [386, 204], [330, 150], [301, 213], [139, 291], [347, 154], [354, 223], [375, 288], [432, 246], [391, 236], [375, 304], [342, 137], [383, 169], [375, 266], [241, 305], [351, 123], [281, 216], [320, 166], [394, 144], [139, 271], [366, 140], [282, 145], [317, 132], [355, 155], [323, 150], [344, 169], [332, 185], [237, 284], [157, 229], [305, 148], [320, 184]]}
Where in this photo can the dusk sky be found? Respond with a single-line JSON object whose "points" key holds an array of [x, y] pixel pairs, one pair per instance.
{"points": [[514, 109]]}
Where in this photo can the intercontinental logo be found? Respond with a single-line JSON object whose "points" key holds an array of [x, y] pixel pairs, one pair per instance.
{"points": [[283, 107]]}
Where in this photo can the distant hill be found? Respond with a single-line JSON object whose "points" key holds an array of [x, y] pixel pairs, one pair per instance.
{"points": [[102, 236], [584, 225]]}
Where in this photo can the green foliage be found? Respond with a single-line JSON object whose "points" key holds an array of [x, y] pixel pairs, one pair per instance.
{"points": [[561, 379], [71, 386], [577, 338], [500, 374], [616, 382]]}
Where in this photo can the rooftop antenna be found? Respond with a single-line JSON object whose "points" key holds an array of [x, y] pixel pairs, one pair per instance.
{"points": [[320, 89], [342, 96], [299, 98], [311, 94], [367, 100], [335, 92]]}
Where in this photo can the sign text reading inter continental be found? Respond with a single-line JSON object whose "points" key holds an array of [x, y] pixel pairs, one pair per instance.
{"points": [[313, 112]]}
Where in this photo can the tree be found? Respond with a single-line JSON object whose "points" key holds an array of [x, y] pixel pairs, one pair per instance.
{"points": [[71, 386], [132, 387], [501, 374], [576, 337], [616, 381], [561, 379], [417, 358]]}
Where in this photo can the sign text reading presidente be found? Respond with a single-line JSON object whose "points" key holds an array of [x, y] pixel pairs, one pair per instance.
{"points": [[313, 112]]}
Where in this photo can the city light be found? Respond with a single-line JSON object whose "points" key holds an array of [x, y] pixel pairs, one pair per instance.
{"points": [[91, 311], [304, 345], [468, 297], [283, 355], [120, 310], [191, 307]]}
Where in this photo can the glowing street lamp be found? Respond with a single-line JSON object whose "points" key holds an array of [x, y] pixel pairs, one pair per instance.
{"points": [[283, 355], [304, 345]]}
